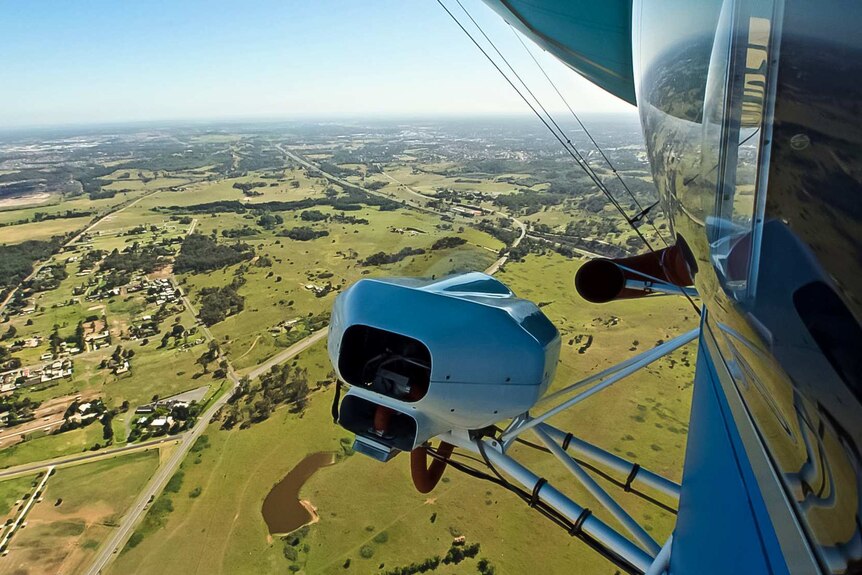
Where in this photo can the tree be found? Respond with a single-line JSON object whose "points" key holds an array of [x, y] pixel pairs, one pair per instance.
{"points": [[204, 360], [9, 333], [108, 430], [55, 340], [79, 336]]}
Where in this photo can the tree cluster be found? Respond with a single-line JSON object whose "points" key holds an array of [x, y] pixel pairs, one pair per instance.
{"points": [[268, 221], [302, 233], [382, 258], [201, 253], [454, 556], [282, 384], [16, 261], [147, 259], [507, 236], [219, 303], [448, 242], [313, 216], [248, 187]]}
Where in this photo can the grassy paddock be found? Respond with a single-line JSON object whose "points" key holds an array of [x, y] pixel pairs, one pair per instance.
{"points": [[63, 538]]}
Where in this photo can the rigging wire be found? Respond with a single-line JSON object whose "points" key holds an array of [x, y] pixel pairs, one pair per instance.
{"points": [[642, 211], [557, 136], [581, 160]]}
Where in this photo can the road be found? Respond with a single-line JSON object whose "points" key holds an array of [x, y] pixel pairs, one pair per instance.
{"points": [[583, 252], [71, 459], [37, 494], [290, 352]]}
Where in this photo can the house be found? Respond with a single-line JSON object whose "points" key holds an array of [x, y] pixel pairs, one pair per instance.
{"points": [[122, 368], [81, 417], [162, 422], [56, 370], [145, 409], [4, 418], [97, 341]]}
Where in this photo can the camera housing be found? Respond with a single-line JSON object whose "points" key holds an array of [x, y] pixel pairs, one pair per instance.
{"points": [[426, 357]]}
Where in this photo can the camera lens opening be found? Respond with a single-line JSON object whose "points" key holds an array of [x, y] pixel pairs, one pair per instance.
{"points": [[387, 363]]}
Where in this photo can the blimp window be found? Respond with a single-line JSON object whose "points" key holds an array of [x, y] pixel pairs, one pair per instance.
{"points": [[737, 119], [385, 362]]}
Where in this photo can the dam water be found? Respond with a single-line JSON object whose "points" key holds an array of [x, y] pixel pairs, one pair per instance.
{"points": [[282, 509]]}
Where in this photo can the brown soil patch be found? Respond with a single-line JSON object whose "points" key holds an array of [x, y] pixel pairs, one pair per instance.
{"points": [[20, 201]]}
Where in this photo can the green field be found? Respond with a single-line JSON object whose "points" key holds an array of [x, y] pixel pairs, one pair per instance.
{"points": [[370, 517], [41, 230], [642, 418], [12, 491], [51, 446]]}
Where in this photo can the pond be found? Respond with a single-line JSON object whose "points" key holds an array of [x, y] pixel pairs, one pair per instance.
{"points": [[282, 509]]}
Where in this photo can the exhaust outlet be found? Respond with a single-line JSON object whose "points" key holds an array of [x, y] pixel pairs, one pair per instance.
{"points": [[604, 279]]}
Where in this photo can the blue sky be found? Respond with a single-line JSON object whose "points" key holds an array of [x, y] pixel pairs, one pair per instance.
{"points": [[108, 61]]}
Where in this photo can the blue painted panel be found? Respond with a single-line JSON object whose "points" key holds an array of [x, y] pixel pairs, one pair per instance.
{"points": [[593, 38], [717, 529]]}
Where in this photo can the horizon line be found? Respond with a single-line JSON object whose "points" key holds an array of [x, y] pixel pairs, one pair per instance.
{"points": [[299, 119]]}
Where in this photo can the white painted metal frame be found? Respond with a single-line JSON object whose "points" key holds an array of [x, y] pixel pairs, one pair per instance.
{"points": [[642, 551]]}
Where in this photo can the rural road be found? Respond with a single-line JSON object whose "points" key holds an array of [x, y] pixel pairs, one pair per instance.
{"points": [[37, 494], [293, 350], [68, 460]]}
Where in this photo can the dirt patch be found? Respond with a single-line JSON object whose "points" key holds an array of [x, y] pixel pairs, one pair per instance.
{"points": [[28, 200]]}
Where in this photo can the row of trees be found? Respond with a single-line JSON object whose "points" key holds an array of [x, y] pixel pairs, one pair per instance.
{"points": [[448, 242], [455, 555], [302, 233]]}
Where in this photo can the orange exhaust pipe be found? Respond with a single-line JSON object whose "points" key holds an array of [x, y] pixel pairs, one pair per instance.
{"points": [[426, 478], [603, 280]]}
